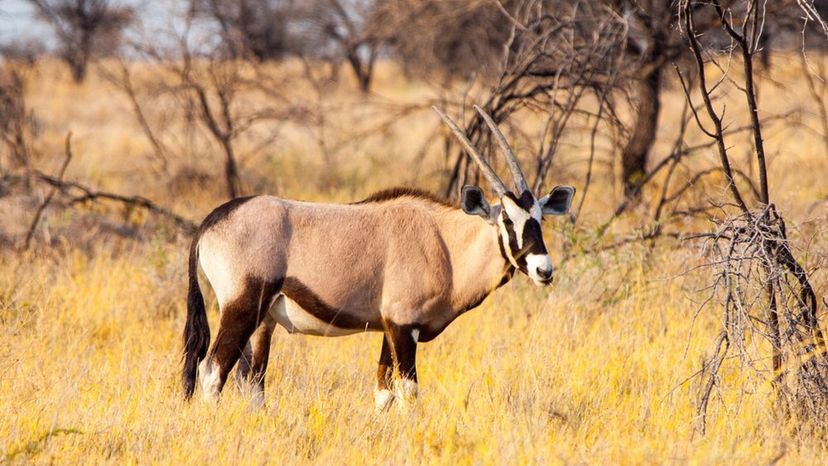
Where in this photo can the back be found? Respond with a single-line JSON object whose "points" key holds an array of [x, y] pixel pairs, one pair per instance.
{"points": [[350, 257]]}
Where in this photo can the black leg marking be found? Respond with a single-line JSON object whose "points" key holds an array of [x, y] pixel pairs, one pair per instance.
{"points": [[403, 339], [239, 319], [260, 348], [385, 369], [384, 391]]}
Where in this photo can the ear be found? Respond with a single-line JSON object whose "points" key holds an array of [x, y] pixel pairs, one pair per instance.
{"points": [[558, 201], [473, 202]]}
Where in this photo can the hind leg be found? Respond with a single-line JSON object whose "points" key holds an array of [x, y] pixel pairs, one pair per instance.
{"points": [[383, 393], [244, 365], [239, 319], [254, 359]]}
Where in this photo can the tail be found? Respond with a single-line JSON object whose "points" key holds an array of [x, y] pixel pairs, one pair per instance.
{"points": [[197, 331]]}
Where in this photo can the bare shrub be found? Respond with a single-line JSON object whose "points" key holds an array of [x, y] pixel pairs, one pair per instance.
{"points": [[765, 292]]}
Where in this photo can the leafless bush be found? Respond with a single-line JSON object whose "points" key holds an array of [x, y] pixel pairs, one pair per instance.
{"points": [[767, 297], [24, 51], [764, 290], [346, 30], [211, 97], [331, 30], [548, 66]]}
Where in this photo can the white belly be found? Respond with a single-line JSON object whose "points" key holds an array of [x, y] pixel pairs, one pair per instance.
{"points": [[295, 319]]}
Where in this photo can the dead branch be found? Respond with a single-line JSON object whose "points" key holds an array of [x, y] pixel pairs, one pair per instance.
{"points": [[80, 194], [718, 132], [123, 81], [48, 199]]}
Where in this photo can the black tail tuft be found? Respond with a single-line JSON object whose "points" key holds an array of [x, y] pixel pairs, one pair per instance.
{"points": [[197, 330]]}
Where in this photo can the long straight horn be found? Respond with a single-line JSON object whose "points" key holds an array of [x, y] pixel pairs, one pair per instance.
{"points": [[497, 185], [511, 160]]}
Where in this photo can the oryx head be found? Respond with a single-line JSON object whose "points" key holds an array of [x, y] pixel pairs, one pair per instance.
{"points": [[519, 214]]}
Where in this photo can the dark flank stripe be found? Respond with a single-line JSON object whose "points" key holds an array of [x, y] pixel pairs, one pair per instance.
{"points": [[312, 303]]}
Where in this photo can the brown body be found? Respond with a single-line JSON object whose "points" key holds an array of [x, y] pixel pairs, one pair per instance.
{"points": [[400, 257], [401, 262]]}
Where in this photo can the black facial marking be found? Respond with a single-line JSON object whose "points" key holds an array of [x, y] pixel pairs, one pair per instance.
{"points": [[531, 235], [533, 238], [503, 253], [513, 243], [526, 200]]}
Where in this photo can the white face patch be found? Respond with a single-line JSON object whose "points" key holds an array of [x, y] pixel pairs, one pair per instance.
{"points": [[415, 334], [538, 266], [536, 263], [518, 216]]}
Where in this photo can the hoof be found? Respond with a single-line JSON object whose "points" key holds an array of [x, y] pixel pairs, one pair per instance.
{"points": [[406, 393], [209, 381], [383, 399]]}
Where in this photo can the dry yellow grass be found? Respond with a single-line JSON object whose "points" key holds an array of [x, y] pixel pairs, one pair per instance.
{"points": [[589, 371]]}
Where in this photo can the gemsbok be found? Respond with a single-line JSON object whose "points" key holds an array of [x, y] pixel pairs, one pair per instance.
{"points": [[401, 262]]}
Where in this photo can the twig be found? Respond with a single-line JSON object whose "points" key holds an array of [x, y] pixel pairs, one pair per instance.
{"points": [[48, 199], [89, 194]]}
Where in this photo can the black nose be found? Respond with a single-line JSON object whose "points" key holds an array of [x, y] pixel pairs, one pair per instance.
{"points": [[545, 274]]}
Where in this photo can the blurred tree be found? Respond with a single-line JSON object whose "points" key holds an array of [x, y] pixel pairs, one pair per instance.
{"points": [[250, 28], [652, 43], [351, 32], [331, 30], [84, 29], [449, 38]]}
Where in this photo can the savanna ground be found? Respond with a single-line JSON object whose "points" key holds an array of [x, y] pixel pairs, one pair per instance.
{"points": [[596, 369]]}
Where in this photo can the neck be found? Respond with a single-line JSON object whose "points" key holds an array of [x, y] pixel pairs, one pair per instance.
{"points": [[478, 265]]}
